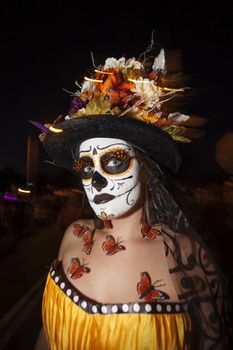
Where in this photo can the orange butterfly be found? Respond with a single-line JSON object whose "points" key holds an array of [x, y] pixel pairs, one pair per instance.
{"points": [[147, 291], [88, 241], [149, 233], [107, 224], [79, 230], [111, 247], [76, 269]]}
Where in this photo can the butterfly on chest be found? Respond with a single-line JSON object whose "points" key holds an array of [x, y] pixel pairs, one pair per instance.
{"points": [[88, 240], [111, 246], [80, 230], [149, 232], [77, 269], [148, 291]]}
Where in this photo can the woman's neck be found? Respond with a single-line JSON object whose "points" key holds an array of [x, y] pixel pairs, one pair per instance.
{"points": [[128, 226]]}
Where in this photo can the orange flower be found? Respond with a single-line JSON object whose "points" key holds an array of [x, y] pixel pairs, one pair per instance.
{"points": [[110, 82], [87, 95], [114, 96], [120, 97], [126, 85]]}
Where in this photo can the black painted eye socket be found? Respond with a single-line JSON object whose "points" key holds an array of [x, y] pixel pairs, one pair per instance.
{"points": [[115, 162], [85, 166]]}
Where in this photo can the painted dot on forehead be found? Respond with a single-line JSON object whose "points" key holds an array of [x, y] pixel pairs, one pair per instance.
{"points": [[94, 152]]}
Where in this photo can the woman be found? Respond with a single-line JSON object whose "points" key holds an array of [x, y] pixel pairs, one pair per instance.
{"points": [[138, 276]]}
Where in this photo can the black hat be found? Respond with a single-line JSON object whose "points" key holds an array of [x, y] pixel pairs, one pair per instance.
{"points": [[157, 143]]}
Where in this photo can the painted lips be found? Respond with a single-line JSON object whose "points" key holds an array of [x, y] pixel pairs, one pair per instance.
{"points": [[103, 198]]}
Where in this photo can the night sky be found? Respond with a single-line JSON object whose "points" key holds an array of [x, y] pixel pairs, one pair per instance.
{"points": [[45, 48]]}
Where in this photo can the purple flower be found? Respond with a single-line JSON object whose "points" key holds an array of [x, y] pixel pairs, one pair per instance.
{"points": [[76, 104], [40, 126]]}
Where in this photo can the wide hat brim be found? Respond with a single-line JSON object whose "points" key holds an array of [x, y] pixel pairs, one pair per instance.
{"points": [[157, 143]]}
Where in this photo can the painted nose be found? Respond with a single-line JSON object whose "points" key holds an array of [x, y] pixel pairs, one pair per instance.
{"points": [[98, 181]]}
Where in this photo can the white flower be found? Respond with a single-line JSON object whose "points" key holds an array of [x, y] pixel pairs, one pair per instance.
{"points": [[87, 85], [159, 62], [148, 91], [178, 117], [133, 64], [112, 62]]}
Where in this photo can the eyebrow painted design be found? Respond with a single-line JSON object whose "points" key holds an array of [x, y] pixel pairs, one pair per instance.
{"points": [[119, 154], [86, 151], [113, 145]]}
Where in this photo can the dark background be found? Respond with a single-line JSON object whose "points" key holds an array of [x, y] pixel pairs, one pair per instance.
{"points": [[47, 47]]}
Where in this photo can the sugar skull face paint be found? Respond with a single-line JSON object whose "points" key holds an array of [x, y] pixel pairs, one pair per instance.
{"points": [[110, 176]]}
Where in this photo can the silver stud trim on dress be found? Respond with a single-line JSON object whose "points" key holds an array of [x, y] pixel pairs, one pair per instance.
{"points": [[97, 308]]}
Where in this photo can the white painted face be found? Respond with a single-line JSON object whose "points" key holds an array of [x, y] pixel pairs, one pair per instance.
{"points": [[110, 176]]}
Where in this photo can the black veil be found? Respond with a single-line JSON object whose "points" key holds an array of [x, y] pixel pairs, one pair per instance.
{"points": [[196, 274]]}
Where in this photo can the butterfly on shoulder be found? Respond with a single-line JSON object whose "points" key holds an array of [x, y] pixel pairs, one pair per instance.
{"points": [[79, 230], [148, 291], [88, 241], [76, 269], [112, 246], [149, 232]]}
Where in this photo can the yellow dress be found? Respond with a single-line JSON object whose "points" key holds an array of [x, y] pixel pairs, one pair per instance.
{"points": [[74, 322]]}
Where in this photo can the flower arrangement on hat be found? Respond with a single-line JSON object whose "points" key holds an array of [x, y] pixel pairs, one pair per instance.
{"points": [[123, 98], [127, 87]]}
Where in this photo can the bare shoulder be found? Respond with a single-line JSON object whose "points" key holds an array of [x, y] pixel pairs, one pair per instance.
{"points": [[69, 235]]}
